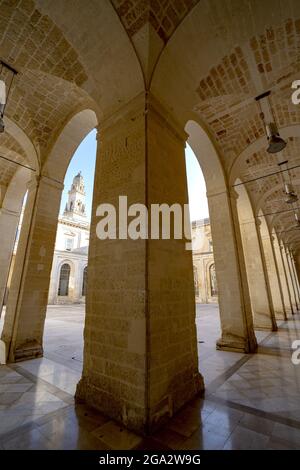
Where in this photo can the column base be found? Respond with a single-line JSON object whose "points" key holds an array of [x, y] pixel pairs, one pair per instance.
{"points": [[30, 350], [137, 418], [280, 316], [266, 328], [110, 405], [288, 310], [235, 344]]}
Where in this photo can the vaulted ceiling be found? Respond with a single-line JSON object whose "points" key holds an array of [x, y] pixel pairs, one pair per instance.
{"points": [[223, 55], [203, 59]]}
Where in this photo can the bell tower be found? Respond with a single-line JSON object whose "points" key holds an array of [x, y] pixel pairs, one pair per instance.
{"points": [[75, 207]]}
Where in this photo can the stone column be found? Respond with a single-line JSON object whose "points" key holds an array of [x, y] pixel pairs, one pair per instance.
{"points": [[27, 301], [283, 276], [294, 285], [288, 276], [54, 280], [295, 270], [9, 220], [290, 279], [260, 295], [294, 274], [273, 274], [140, 350], [296, 259], [233, 294], [77, 281]]}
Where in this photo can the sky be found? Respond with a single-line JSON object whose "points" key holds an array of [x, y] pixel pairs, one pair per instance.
{"points": [[196, 187], [84, 161]]}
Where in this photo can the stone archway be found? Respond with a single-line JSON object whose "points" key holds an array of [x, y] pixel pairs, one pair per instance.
{"points": [[235, 316], [40, 217]]}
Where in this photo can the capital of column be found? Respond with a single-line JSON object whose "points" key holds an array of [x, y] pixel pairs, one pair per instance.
{"points": [[156, 110], [211, 195], [38, 180], [98, 133], [47, 181], [10, 213], [233, 194], [247, 222], [257, 222], [145, 104]]}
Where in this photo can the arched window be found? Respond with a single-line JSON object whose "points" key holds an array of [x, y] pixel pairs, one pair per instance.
{"points": [[84, 281], [63, 288], [213, 281]]}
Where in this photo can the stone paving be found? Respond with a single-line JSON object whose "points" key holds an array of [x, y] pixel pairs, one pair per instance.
{"points": [[251, 401]]}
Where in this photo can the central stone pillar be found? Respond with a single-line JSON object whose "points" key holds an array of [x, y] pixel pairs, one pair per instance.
{"points": [[27, 300], [140, 350]]}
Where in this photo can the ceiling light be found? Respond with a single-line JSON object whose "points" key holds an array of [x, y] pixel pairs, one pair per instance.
{"points": [[276, 143], [291, 196]]}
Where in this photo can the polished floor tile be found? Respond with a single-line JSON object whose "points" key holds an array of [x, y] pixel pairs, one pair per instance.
{"points": [[185, 422], [251, 401], [205, 439], [116, 436], [243, 439], [33, 440]]}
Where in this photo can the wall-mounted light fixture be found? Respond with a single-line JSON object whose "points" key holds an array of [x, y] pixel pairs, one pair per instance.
{"points": [[276, 143], [7, 74]]}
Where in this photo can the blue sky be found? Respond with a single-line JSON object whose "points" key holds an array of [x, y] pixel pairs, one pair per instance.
{"points": [[196, 186], [84, 161]]}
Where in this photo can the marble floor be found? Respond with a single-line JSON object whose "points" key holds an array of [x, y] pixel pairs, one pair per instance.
{"points": [[251, 401]]}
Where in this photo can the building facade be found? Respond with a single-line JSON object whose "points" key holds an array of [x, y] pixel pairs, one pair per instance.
{"points": [[206, 289], [69, 268]]}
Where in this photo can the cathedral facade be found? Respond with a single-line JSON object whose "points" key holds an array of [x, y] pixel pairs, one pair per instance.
{"points": [[206, 289], [69, 268]]}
